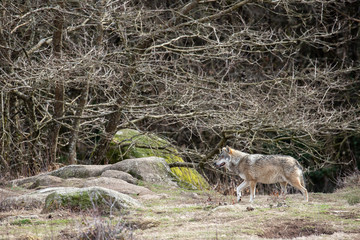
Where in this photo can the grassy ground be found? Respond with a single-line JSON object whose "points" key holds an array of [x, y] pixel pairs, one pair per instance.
{"points": [[182, 214]]}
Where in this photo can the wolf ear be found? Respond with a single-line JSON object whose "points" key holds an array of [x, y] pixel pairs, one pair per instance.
{"points": [[228, 149]]}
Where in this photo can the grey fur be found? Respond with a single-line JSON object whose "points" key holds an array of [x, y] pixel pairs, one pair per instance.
{"points": [[254, 168]]}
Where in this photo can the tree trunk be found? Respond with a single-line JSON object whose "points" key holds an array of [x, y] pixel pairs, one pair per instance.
{"points": [[76, 126], [59, 89], [110, 130], [5, 139]]}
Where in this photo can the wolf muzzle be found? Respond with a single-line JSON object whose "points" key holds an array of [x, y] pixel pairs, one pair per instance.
{"points": [[219, 165]]}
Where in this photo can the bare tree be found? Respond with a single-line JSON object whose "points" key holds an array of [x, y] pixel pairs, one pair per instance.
{"points": [[262, 76], [58, 85]]}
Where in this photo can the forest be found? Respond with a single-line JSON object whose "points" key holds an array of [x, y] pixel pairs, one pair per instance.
{"points": [[262, 76]]}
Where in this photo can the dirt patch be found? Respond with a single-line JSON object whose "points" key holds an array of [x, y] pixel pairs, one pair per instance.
{"points": [[297, 228]]}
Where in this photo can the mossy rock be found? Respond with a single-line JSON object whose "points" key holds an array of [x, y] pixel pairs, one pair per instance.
{"points": [[148, 169], [91, 198], [129, 143]]}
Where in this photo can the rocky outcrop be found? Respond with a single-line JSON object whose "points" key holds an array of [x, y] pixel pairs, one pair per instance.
{"points": [[149, 169], [130, 144], [79, 171], [75, 186], [26, 201], [96, 198]]}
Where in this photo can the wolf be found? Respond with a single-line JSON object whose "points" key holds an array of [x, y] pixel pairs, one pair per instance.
{"points": [[254, 168]]}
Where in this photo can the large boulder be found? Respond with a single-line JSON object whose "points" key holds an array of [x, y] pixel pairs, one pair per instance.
{"points": [[118, 185], [29, 200], [41, 180], [25, 201], [91, 198], [45, 181], [149, 169], [129, 143]]}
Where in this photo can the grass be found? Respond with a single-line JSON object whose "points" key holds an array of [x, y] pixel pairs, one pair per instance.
{"points": [[220, 221], [185, 214], [39, 228], [353, 199], [21, 222]]}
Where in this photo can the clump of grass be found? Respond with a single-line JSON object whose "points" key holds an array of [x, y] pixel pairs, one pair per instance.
{"points": [[97, 227], [351, 180], [353, 199]]}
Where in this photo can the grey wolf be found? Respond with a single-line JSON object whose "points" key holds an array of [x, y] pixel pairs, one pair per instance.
{"points": [[258, 168]]}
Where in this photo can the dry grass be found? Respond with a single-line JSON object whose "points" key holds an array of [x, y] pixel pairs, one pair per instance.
{"points": [[211, 216], [181, 214]]}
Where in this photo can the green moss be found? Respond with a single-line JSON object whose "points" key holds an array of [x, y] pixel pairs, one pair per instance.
{"points": [[129, 143], [79, 201]]}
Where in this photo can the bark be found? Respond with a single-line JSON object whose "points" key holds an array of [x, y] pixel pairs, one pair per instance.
{"points": [[5, 61], [58, 91], [110, 130], [5, 139], [76, 126], [99, 26]]}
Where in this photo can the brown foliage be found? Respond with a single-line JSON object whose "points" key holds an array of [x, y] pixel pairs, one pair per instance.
{"points": [[263, 76]]}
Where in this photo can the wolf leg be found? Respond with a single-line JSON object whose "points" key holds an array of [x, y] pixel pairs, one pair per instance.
{"points": [[296, 182], [252, 190], [243, 185], [283, 188]]}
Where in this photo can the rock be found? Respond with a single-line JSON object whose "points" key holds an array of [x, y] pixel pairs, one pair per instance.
{"points": [[129, 143], [24, 182], [119, 175], [27, 201], [78, 171], [117, 185], [45, 181], [74, 182], [96, 198], [50, 190], [149, 169], [194, 196], [41, 180], [137, 145]]}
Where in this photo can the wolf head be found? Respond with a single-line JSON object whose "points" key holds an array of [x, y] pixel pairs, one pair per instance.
{"points": [[224, 158]]}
